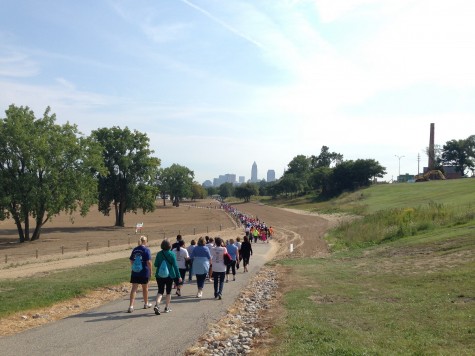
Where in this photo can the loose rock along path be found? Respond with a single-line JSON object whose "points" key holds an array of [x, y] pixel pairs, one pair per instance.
{"points": [[235, 333]]}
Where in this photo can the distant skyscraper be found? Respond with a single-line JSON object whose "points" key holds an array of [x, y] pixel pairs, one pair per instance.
{"points": [[242, 179], [270, 175], [254, 173]]}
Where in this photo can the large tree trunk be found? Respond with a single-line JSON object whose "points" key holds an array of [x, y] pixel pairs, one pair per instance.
{"points": [[27, 227], [36, 233], [119, 213], [21, 233], [39, 224]]}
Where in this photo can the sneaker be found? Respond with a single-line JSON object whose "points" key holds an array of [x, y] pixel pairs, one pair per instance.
{"points": [[167, 310], [200, 294], [219, 296], [147, 305], [178, 292], [130, 310], [227, 280], [156, 310]]}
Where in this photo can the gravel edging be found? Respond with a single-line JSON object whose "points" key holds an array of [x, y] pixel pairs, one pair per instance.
{"points": [[235, 333]]}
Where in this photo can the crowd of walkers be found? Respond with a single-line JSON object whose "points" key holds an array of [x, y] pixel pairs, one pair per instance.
{"points": [[254, 228], [207, 258]]}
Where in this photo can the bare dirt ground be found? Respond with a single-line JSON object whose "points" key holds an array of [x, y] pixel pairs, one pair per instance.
{"points": [[93, 239]]}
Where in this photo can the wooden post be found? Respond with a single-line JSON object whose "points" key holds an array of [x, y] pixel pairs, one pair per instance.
{"points": [[108, 243], [36, 253], [6, 258], [87, 246], [62, 250]]}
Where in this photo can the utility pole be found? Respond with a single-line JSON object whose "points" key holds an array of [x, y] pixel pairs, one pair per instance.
{"points": [[399, 170], [418, 161]]}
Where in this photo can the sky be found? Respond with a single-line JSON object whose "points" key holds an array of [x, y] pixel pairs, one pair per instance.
{"points": [[217, 85]]}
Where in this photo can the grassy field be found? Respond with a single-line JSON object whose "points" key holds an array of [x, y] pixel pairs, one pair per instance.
{"points": [[399, 282], [16, 295]]}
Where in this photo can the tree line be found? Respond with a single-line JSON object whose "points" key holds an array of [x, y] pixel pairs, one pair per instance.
{"points": [[47, 168], [327, 174]]}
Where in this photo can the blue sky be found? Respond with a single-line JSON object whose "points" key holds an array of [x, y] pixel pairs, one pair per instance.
{"points": [[217, 85]]}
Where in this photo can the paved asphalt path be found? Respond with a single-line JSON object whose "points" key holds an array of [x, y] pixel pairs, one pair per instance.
{"points": [[109, 330]]}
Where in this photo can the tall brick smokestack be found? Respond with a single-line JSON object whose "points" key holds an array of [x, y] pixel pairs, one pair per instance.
{"points": [[431, 164]]}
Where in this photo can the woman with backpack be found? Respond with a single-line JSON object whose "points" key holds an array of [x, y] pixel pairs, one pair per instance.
{"points": [[166, 272], [141, 262]]}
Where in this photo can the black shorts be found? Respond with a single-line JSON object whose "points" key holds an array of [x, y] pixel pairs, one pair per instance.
{"points": [[138, 279], [165, 285]]}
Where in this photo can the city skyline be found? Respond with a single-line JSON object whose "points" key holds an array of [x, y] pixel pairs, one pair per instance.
{"points": [[231, 178]]}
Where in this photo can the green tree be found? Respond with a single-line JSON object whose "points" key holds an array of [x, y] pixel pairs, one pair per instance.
{"points": [[351, 175], [198, 191], [321, 180], [45, 169], [460, 153], [245, 191], [325, 158], [176, 181], [130, 183], [226, 190], [298, 173], [290, 184], [212, 191]]}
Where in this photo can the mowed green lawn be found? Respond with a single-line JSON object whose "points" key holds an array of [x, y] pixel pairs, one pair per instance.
{"points": [[413, 295]]}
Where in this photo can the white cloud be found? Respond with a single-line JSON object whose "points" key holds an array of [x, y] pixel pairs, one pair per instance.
{"points": [[17, 65]]}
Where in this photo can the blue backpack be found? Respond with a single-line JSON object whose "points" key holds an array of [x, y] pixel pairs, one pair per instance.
{"points": [[137, 264], [163, 271]]}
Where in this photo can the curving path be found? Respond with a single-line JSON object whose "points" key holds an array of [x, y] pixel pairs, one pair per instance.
{"points": [[110, 330]]}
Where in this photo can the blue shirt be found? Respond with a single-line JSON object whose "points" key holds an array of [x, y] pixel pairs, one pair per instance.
{"points": [[145, 255], [200, 256], [232, 250]]}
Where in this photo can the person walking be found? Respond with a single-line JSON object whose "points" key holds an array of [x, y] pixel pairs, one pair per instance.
{"points": [[234, 253], [182, 257], [189, 266], [255, 233], [210, 245], [246, 252], [165, 278], [219, 268], [141, 263], [201, 257], [238, 245]]}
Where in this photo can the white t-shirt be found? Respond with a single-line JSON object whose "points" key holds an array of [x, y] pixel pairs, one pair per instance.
{"points": [[217, 254], [181, 257]]}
